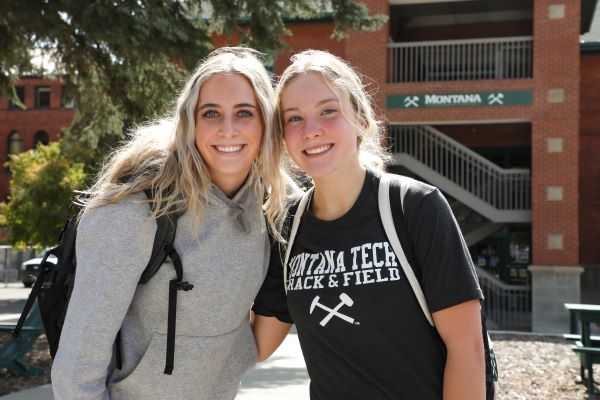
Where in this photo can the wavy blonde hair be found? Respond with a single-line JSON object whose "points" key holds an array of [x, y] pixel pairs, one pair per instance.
{"points": [[344, 81], [162, 156]]}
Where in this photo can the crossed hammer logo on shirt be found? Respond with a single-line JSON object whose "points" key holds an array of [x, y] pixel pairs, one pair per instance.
{"points": [[333, 312]]}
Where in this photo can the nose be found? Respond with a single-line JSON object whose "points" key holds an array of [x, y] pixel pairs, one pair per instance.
{"points": [[312, 129], [228, 127]]}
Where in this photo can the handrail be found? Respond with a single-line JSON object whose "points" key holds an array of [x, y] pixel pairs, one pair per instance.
{"points": [[506, 306], [464, 59], [482, 274], [504, 189]]}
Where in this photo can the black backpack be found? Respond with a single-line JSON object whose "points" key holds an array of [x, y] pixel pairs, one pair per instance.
{"points": [[55, 282], [491, 368]]}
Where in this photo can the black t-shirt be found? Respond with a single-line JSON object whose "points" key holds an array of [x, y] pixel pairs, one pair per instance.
{"points": [[362, 332]]}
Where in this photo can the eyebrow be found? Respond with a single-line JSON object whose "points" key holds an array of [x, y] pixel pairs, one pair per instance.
{"points": [[213, 105], [318, 104]]}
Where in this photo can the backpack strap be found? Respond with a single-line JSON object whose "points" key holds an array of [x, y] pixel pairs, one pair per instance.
{"points": [[293, 231], [44, 268], [166, 228], [385, 213], [398, 232]]}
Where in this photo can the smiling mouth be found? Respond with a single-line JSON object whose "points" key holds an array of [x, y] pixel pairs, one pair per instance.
{"points": [[318, 150], [229, 149]]}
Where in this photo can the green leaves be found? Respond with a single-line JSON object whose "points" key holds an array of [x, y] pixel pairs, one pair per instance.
{"points": [[124, 61], [42, 186]]}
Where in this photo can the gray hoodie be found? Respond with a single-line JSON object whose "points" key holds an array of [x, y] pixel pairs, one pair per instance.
{"points": [[226, 261]]}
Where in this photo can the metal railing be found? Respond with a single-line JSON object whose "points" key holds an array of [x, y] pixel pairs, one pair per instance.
{"points": [[453, 60], [507, 307], [504, 189]]}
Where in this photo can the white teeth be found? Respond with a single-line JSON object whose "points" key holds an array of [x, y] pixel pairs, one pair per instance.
{"points": [[318, 149], [229, 149]]}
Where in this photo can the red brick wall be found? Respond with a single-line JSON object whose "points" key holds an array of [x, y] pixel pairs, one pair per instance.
{"points": [[367, 52], [555, 42], [28, 122], [305, 35], [589, 170], [308, 36]]}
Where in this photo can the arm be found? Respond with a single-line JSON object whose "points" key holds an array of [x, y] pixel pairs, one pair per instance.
{"points": [[460, 329], [113, 245], [269, 333], [272, 320], [452, 292]]}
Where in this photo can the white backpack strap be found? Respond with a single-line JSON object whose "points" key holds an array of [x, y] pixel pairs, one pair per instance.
{"points": [[390, 230], [295, 224]]}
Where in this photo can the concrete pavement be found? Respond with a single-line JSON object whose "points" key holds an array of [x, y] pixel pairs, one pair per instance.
{"points": [[282, 376]]}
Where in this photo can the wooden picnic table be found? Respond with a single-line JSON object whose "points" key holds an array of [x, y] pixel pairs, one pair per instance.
{"points": [[582, 316]]}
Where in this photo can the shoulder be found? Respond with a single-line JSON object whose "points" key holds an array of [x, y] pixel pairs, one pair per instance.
{"points": [[127, 215], [415, 192]]}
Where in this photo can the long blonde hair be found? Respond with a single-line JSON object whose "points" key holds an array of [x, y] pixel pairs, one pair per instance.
{"points": [[162, 156], [343, 80]]}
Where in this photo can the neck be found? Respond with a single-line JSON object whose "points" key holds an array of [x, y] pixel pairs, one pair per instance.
{"points": [[228, 186], [335, 194]]}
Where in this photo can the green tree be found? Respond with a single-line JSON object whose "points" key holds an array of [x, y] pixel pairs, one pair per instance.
{"points": [[123, 60], [41, 180]]}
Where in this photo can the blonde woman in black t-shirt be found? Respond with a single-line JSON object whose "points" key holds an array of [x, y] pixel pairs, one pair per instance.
{"points": [[360, 327]]}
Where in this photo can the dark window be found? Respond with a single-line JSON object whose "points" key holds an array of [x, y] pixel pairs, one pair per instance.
{"points": [[41, 137], [42, 97], [15, 143], [66, 99], [20, 94]]}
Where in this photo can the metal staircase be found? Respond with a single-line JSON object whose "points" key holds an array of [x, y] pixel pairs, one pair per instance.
{"points": [[474, 226], [500, 195], [483, 198]]}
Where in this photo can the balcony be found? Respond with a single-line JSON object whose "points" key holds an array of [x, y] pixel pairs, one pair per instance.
{"points": [[460, 60]]}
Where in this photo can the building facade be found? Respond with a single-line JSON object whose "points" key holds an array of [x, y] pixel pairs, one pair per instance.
{"points": [[493, 101], [45, 114], [486, 100]]}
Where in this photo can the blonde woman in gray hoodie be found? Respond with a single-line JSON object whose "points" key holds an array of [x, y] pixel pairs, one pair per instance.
{"points": [[216, 160]]}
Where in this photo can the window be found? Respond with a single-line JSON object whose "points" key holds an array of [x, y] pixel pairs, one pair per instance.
{"points": [[66, 100], [42, 97], [15, 143], [41, 137], [21, 95]]}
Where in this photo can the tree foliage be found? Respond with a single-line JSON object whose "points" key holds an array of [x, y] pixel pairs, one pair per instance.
{"points": [[41, 180], [123, 61]]}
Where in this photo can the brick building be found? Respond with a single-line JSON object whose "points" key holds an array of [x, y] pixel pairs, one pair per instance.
{"points": [[496, 103], [44, 116]]}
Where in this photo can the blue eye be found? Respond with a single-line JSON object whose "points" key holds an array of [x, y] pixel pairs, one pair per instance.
{"points": [[328, 111], [210, 114], [294, 118], [245, 114]]}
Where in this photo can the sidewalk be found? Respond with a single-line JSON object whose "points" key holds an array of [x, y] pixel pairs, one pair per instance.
{"points": [[282, 376]]}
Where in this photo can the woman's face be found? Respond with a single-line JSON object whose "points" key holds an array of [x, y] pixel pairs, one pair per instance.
{"points": [[229, 129], [318, 134]]}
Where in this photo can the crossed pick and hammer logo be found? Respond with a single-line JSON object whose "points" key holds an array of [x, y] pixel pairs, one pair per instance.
{"points": [[345, 300]]}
